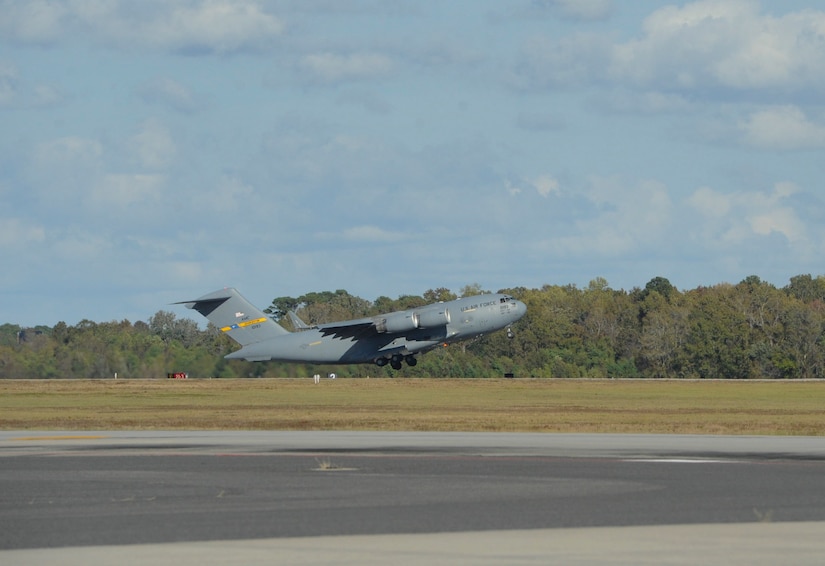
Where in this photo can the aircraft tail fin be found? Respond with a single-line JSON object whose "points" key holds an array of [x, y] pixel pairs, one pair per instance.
{"points": [[238, 318]]}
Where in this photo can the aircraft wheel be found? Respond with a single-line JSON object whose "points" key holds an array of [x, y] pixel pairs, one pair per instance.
{"points": [[411, 360], [395, 364], [381, 362]]}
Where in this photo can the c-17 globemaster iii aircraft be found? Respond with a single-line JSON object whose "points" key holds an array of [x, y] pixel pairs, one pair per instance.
{"points": [[390, 338]]}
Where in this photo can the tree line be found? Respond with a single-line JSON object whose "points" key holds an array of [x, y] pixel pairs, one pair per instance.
{"points": [[745, 331]]}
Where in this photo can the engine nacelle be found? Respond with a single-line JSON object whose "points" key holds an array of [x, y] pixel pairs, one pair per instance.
{"points": [[397, 322], [433, 317]]}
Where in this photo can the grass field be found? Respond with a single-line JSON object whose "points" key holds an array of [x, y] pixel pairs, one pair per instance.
{"points": [[644, 406]]}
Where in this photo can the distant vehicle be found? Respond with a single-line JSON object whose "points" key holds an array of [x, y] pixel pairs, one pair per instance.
{"points": [[391, 338], [177, 375]]}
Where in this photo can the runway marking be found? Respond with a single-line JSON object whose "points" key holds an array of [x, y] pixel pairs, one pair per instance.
{"points": [[62, 437], [682, 460], [326, 465]]}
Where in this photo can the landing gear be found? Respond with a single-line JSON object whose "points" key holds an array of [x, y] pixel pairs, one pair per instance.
{"points": [[396, 361], [510, 334]]}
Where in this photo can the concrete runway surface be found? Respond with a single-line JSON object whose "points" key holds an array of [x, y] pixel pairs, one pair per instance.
{"points": [[178, 497]]}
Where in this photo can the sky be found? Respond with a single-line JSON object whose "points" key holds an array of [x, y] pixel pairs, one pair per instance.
{"points": [[155, 151]]}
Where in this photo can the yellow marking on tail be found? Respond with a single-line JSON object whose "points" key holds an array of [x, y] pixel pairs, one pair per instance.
{"points": [[243, 324]]}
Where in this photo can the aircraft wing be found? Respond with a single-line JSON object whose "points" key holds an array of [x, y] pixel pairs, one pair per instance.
{"points": [[359, 328], [400, 323]]}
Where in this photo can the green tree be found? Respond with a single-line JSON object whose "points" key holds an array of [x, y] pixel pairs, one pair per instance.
{"points": [[716, 345], [802, 355], [806, 288], [472, 289], [442, 294]]}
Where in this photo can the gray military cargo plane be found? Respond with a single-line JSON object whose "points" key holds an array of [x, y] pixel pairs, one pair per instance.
{"points": [[385, 339]]}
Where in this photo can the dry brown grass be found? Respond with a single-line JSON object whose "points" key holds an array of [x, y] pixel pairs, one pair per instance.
{"points": [[644, 406]]}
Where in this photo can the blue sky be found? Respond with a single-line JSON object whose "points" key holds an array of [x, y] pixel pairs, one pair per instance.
{"points": [[155, 151]]}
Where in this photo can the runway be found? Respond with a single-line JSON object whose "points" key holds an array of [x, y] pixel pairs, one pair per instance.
{"points": [[447, 498]]}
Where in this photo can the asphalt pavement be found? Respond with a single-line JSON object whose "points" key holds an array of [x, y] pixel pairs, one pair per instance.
{"points": [[447, 498]]}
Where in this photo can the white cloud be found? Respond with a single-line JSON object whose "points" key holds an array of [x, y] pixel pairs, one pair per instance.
{"points": [[644, 103], [221, 26], [782, 128], [46, 95], [546, 185], [782, 220], [123, 191], [229, 195], [732, 219], [78, 245], [710, 203], [196, 169], [35, 21], [8, 83], [70, 150], [783, 52], [623, 219], [548, 62], [725, 43], [539, 122], [366, 100], [61, 170], [73, 176], [772, 212], [583, 9], [511, 189], [189, 272], [16, 233], [699, 47], [333, 67], [15, 92], [153, 145], [369, 233], [194, 27], [168, 92], [61, 173]]}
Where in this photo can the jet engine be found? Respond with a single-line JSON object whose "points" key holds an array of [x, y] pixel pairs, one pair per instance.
{"points": [[410, 320], [397, 322], [433, 317]]}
